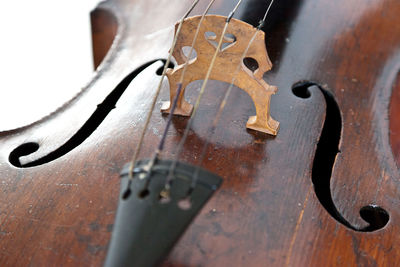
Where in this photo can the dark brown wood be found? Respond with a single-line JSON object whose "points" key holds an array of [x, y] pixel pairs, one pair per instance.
{"points": [[395, 118], [104, 28], [267, 213]]}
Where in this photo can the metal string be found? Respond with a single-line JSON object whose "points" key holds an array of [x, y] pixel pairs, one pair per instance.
{"points": [[149, 166], [223, 103], [146, 125], [170, 176]]}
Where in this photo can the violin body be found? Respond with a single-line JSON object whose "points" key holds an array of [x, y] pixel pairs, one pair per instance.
{"points": [[325, 190]]}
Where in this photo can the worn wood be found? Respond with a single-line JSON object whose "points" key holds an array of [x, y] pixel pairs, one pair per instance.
{"points": [[104, 28], [225, 68], [60, 212], [394, 117]]}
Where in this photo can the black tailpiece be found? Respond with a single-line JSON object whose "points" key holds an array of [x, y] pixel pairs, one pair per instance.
{"points": [[146, 228]]}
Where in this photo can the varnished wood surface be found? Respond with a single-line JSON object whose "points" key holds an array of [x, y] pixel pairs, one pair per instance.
{"points": [[104, 29], [395, 118], [267, 213]]}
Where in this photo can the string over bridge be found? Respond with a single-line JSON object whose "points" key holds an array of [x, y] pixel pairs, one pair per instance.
{"points": [[235, 42]]}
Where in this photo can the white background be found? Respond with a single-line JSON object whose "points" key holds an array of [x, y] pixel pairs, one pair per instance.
{"points": [[45, 57]]}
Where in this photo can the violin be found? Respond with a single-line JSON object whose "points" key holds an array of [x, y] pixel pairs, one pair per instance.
{"points": [[297, 165]]}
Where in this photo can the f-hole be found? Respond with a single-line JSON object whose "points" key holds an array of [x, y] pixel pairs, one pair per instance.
{"points": [[22, 150], [97, 117], [325, 155]]}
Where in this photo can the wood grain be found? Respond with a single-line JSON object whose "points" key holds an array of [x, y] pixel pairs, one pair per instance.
{"points": [[104, 29], [266, 212], [394, 118]]}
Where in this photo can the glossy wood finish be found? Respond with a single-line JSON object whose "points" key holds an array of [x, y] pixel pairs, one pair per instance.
{"points": [[267, 212], [394, 118], [104, 28]]}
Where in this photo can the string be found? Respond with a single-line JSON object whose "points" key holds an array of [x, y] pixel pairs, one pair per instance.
{"points": [[223, 103], [172, 168], [146, 125], [149, 166]]}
